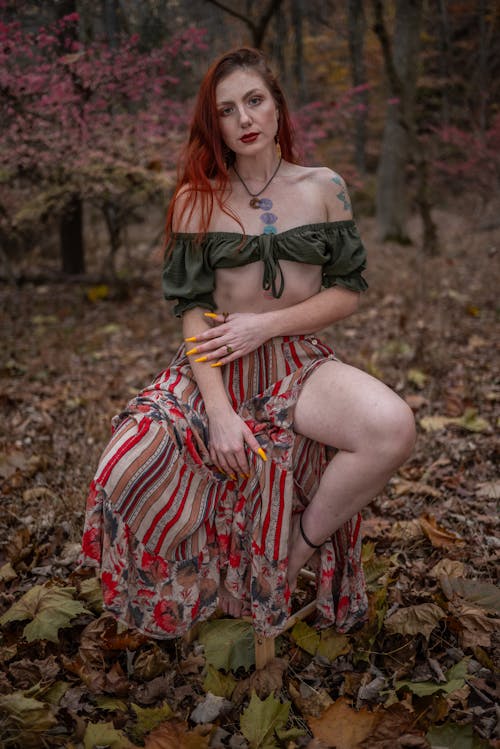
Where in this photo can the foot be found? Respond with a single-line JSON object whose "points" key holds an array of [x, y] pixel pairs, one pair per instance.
{"points": [[228, 603], [299, 552]]}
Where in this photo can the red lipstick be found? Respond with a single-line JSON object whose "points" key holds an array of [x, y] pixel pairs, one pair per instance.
{"points": [[249, 137]]}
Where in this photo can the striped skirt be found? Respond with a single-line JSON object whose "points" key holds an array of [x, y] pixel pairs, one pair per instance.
{"points": [[166, 529]]}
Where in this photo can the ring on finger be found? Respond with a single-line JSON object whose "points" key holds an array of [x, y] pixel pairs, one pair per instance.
{"points": [[229, 350]]}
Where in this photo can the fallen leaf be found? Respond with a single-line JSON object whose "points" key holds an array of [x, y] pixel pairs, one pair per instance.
{"points": [[395, 729], [402, 487], [488, 489], [263, 681], [452, 736], [261, 719], [175, 735], [439, 537], [474, 627], [148, 718], [448, 568], [229, 643], [342, 724], [455, 680], [27, 713], [7, 572], [332, 644], [50, 609], [105, 734], [306, 637], [310, 701], [485, 595], [417, 377], [407, 530], [414, 620], [210, 708], [219, 683]]}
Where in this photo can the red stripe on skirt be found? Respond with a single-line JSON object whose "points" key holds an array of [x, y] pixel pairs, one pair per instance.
{"points": [[147, 479], [174, 384], [176, 517], [295, 357], [267, 521], [279, 523], [165, 509], [127, 445]]}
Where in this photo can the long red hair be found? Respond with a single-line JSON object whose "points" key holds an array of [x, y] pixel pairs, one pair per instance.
{"points": [[204, 169]]}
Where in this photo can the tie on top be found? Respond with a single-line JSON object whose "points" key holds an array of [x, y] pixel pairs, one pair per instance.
{"points": [[191, 259]]}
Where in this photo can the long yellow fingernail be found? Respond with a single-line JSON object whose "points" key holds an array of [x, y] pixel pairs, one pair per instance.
{"points": [[262, 454], [210, 314], [202, 358], [190, 340], [192, 351], [217, 364], [232, 476]]}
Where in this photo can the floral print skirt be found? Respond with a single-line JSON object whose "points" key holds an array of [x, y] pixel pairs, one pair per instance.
{"points": [[165, 528]]}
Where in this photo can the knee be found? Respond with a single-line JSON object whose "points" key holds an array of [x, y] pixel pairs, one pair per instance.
{"points": [[395, 434]]}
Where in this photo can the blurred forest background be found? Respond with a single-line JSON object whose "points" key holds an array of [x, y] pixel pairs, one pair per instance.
{"points": [[402, 98]]}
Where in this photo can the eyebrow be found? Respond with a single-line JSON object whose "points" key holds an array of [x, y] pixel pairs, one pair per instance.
{"points": [[248, 93]]}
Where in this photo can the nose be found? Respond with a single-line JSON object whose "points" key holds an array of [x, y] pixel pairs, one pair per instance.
{"points": [[245, 119]]}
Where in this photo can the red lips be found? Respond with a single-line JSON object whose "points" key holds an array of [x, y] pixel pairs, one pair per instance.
{"points": [[249, 137]]}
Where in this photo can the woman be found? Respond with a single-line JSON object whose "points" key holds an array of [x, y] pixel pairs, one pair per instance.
{"points": [[256, 448]]}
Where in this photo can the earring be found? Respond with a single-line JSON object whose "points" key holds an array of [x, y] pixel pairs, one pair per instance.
{"points": [[278, 148]]}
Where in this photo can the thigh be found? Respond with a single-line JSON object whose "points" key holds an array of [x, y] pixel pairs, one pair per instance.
{"points": [[344, 407]]}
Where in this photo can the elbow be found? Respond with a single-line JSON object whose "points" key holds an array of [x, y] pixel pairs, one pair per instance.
{"points": [[350, 302]]}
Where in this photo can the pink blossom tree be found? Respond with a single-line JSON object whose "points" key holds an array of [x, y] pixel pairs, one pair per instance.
{"points": [[87, 120]]}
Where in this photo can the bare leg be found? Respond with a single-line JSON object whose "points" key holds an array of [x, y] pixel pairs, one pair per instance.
{"points": [[228, 603], [374, 432]]}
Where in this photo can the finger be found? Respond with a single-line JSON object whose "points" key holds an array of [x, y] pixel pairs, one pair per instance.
{"points": [[255, 446]]}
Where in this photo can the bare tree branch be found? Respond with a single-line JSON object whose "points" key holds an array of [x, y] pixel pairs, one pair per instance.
{"points": [[258, 29]]}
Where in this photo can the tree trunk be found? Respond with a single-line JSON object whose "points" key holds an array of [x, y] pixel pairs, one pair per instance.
{"points": [[71, 238], [401, 69], [72, 250], [356, 31], [298, 33]]}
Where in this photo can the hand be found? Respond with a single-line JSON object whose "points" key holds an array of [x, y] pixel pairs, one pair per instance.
{"points": [[231, 337], [228, 435]]}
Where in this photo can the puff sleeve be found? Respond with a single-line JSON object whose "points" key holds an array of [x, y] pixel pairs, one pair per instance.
{"points": [[187, 275], [346, 257]]}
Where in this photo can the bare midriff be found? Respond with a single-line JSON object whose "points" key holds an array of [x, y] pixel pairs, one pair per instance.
{"points": [[240, 289]]}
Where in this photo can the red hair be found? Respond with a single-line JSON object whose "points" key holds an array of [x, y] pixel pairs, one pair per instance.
{"points": [[204, 168]]}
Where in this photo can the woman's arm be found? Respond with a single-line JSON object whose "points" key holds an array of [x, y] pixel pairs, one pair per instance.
{"points": [[228, 433]]}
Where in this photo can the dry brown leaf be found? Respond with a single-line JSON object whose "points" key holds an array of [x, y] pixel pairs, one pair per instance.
{"points": [[448, 567], [310, 701], [342, 726], [488, 489], [401, 487], [263, 681], [414, 620], [474, 627], [395, 730], [407, 530], [175, 735], [439, 537]]}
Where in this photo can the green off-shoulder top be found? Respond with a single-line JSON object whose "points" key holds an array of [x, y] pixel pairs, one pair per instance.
{"points": [[189, 269]]}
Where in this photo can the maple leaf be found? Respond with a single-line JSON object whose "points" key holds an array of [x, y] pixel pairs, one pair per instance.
{"points": [[261, 719], [50, 609]]}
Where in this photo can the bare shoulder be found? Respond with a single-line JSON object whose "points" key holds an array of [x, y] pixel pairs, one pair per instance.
{"points": [[333, 190], [328, 187], [187, 211]]}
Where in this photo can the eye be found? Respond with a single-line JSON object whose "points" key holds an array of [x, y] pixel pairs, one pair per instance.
{"points": [[225, 111], [255, 100]]}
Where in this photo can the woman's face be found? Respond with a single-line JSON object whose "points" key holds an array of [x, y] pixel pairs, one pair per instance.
{"points": [[248, 115]]}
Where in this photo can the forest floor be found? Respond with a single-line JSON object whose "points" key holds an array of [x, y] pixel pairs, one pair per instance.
{"points": [[421, 671]]}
